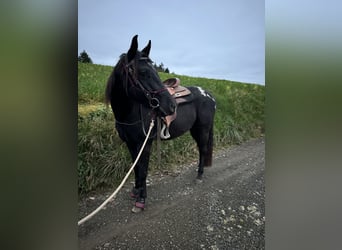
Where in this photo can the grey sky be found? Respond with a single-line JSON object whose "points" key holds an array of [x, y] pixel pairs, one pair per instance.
{"points": [[221, 39]]}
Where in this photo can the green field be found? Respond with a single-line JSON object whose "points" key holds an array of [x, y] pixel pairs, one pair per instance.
{"points": [[103, 158]]}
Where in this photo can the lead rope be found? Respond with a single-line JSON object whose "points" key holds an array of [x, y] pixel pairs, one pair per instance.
{"points": [[123, 181], [158, 143]]}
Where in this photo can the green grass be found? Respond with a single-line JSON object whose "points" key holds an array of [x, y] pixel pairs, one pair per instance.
{"points": [[91, 82], [103, 158]]}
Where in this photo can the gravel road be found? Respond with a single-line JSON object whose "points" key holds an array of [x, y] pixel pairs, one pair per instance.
{"points": [[225, 211]]}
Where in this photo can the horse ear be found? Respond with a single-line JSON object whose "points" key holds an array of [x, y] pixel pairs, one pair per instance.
{"points": [[146, 50], [133, 49]]}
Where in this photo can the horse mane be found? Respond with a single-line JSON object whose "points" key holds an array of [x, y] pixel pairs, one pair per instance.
{"points": [[111, 80]]}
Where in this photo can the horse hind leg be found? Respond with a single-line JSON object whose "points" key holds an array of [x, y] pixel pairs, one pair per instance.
{"points": [[208, 157], [204, 140]]}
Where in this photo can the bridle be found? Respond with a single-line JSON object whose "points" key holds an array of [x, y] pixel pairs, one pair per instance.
{"points": [[131, 78]]}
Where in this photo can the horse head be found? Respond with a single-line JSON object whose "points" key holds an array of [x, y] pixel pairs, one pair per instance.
{"points": [[143, 82]]}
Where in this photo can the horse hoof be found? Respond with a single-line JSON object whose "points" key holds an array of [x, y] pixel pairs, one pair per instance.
{"points": [[137, 210], [139, 206], [199, 180]]}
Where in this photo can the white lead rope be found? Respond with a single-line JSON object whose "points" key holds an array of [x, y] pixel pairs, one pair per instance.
{"points": [[123, 181]]}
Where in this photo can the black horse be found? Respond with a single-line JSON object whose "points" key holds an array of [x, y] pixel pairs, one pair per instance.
{"points": [[137, 95]]}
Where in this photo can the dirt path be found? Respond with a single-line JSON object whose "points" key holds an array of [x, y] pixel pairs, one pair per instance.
{"points": [[226, 211]]}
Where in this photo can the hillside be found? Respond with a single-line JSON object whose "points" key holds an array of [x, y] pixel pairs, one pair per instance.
{"points": [[103, 158]]}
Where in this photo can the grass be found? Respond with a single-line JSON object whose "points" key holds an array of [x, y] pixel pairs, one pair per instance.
{"points": [[103, 158]]}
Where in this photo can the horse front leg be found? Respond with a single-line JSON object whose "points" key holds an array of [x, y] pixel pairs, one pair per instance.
{"points": [[139, 191]]}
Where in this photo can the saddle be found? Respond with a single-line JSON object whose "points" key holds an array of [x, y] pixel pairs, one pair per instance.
{"points": [[181, 95], [178, 92]]}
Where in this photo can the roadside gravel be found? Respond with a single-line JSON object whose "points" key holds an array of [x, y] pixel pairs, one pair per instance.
{"points": [[225, 211]]}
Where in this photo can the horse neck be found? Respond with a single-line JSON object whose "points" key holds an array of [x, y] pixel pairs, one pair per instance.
{"points": [[124, 108]]}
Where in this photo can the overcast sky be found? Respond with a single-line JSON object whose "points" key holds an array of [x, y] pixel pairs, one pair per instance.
{"points": [[221, 39]]}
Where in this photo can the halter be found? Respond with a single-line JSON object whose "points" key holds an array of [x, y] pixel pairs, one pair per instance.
{"points": [[130, 70]]}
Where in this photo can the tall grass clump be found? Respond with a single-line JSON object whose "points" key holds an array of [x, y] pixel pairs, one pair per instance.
{"points": [[91, 80], [103, 158]]}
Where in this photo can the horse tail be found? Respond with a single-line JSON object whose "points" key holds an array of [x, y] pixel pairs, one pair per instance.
{"points": [[208, 158]]}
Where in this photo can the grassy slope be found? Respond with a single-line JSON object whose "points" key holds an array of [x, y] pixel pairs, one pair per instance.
{"points": [[103, 158]]}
